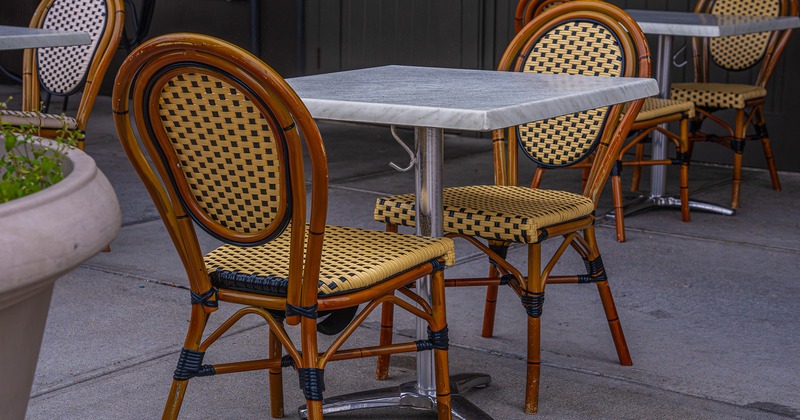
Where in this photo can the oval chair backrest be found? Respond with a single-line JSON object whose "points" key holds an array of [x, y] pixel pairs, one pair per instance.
{"points": [[63, 70], [575, 46], [221, 130], [226, 153], [740, 52]]}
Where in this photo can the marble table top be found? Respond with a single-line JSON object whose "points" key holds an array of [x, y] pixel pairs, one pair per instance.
{"points": [[476, 100], [17, 37], [705, 25]]}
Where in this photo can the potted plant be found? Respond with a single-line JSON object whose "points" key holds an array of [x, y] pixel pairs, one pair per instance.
{"points": [[56, 211]]}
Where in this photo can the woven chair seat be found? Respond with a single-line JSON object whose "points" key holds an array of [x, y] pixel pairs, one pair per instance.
{"points": [[716, 95], [352, 259], [659, 107], [506, 213], [38, 119]]}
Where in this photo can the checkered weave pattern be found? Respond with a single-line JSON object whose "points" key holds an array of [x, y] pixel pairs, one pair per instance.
{"points": [[37, 119], [227, 151], [62, 70], [352, 259], [741, 51], [506, 213], [716, 95], [577, 48], [658, 107]]}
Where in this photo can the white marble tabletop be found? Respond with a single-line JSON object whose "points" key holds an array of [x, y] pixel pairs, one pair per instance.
{"points": [[706, 25], [18, 37], [476, 100]]}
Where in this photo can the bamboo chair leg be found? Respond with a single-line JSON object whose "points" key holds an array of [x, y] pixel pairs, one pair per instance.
{"points": [[619, 213], [308, 332], [387, 324], [440, 357], [684, 170], [197, 323], [534, 332], [637, 170], [387, 321], [773, 171], [608, 305], [765, 144], [275, 378], [490, 308], [738, 148]]}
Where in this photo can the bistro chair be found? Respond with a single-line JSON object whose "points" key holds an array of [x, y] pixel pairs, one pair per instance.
{"points": [[654, 113], [222, 139], [610, 44], [64, 71], [736, 54]]}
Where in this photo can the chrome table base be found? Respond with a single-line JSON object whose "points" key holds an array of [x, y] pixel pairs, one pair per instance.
{"points": [[645, 203], [408, 395]]}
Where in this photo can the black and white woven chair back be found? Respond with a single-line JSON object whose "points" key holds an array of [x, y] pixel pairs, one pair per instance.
{"points": [[63, 70]]}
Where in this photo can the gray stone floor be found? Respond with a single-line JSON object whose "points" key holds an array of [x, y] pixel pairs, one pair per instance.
{"points": [[709, 307]]}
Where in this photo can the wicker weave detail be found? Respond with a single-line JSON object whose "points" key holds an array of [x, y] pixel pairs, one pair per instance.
{"points": [[493, 212], [741, 51], [578, 48], [716, 95], [657, 108], [226, 149], [63, 69], [37, 119], [352, 259]]}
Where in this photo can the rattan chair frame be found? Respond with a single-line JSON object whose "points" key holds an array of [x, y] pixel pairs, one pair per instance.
{"points": [[147, 69], [103, 54], [753, 112], [641, 132], [578, 234]]}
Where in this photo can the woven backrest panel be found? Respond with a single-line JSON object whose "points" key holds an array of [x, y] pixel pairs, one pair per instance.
{"points": [[740, 52], [579, 47], [62, 70], [227, 151]]}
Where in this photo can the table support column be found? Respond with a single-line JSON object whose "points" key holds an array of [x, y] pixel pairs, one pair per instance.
{"points": [[429, 151], [658, 182]]}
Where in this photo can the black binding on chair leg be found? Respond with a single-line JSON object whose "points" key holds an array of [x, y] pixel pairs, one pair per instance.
{"points": [[438, 340], [533, 302], [190, 365], [595, 269], [312, 382]]}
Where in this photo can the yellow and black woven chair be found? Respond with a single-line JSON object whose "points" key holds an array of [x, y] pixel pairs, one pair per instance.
{"points": [[225, 135], [655, 111], [733, 54], [609, 43], [64, 71]]}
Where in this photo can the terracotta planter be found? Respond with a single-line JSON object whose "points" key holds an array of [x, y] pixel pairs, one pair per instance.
{"points": [[43, 236]]}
